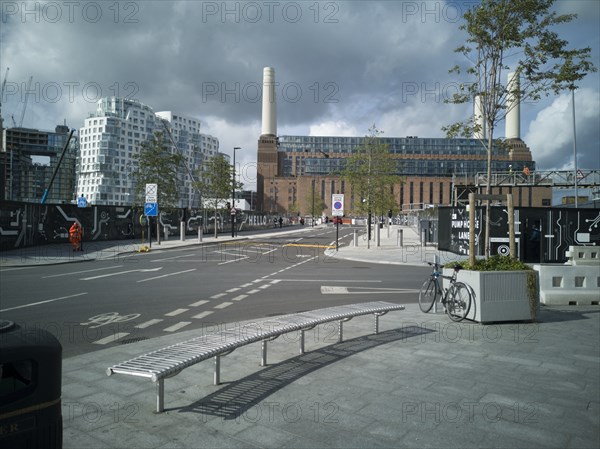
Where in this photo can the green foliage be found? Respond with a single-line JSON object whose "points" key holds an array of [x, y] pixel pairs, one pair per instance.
{"points": [[314, 204], [156, 164], [494, 263], [514, 35], [371, 172], [215, 178]]}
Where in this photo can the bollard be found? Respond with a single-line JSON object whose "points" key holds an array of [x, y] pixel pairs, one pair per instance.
{"points": [[400, 238], [182, 231], [377, 235], [199, 234], [355, 240], [166, 230]]}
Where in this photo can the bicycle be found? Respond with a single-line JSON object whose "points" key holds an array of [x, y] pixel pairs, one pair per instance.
{"points": [[456, 299]]}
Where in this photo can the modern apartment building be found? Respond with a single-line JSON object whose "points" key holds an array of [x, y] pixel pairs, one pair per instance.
{"points": [[28, 160], [111, 138]]}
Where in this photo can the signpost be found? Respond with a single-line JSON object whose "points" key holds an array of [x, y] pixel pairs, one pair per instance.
{"points": [[151, 210], [337, 210], [81, 201]]}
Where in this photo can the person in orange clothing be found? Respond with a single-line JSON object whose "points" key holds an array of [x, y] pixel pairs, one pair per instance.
{"points": [[75, 236]]}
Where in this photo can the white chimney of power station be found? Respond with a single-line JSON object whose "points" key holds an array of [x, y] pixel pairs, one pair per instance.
{"points": [[479, 119], [513, 114], [269, 106]]}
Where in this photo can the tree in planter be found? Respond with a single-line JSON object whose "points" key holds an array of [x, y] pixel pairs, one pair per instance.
{"points": [[314, 204], [156, 164], [371, 172], [215, 183], [516, 35]]}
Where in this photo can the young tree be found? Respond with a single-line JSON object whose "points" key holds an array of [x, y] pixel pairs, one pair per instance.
{"points": [[156, 164], [216, 183], [314, 204], [372, 172], [512, 35]]}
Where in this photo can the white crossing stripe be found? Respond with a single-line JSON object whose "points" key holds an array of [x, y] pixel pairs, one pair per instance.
{"points": [[275, 281], [218, 295], [203, 314], [223, 305], [199, 303], [111, 338], [251, 292], [176, 312], [148, 323], [177, 326], [231, 290], [239, 297], [248, 284], [262, 287]]}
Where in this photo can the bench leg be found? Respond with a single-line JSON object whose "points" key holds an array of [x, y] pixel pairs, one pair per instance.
{"points": [[301, 341], [341, 332], [160, 395], [376, 324], [263, 357], [217, 374]]}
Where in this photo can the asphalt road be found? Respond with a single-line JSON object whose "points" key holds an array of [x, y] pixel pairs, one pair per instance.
{"points": [[93, 305]]}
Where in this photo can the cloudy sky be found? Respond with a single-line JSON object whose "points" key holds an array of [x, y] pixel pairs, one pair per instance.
{"points": [[341, 66]]}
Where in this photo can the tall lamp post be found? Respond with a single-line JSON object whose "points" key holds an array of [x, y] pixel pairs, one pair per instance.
{"points": [[233, 211]]}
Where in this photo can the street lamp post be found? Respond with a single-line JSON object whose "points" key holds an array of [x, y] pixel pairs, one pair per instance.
{"points": [[232, 211]]}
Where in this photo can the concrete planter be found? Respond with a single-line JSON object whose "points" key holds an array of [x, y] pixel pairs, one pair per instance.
{"points": [[499, 296]]}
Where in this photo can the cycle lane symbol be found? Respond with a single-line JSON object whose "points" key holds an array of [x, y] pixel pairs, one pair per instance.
{"points": [[109, 318]]}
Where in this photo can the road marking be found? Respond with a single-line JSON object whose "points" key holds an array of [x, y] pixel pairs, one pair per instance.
{"points": [[148, 323], [231, 290], [223, 305], [203, 314], [262, 287], [14, 268], [166, 275], [308, 245], [248, 284], [218, 295], [111, 338], [335, 290], [142, 270], [235, 260], [79, 272], [330, 280], [251, 292], [275, 281], [239, 297], [199, 303], [176, 312], [171, 258], [177, 326], [43, 302]]}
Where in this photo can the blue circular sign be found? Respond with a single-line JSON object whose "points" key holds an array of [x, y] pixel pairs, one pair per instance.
{"points": [[337, 205]]}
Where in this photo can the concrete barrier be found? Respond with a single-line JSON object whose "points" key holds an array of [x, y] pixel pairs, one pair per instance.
{"points": [[583, 255]]}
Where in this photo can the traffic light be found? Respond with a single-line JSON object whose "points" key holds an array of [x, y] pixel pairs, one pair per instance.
{"points": [[390, 213]]}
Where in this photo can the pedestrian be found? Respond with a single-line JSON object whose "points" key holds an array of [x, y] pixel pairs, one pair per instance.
{"points": [[274, 222], [280, 222], [75, 236]]}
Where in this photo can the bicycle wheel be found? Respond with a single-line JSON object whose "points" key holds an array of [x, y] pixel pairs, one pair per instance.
{"points": [[458, 302], [428, 295]]}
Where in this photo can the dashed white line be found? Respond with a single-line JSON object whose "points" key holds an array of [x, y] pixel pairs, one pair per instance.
{"points": [[176, 312], [148, 323], [111, 338], [218, 295], [246, 285], [275, 281], [239, 297], [199, 303], [79, 272], [223, 305], [231, 290], [43, 302], [251, 292], [203, 314], [262, 287], [177, 326]]}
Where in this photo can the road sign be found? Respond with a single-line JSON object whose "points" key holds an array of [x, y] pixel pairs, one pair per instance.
{"points": [[81, 201], [151, 209], [151, 193], [337, 205], [580, 175]]}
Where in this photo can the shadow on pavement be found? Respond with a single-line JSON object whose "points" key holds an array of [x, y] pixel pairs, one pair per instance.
{"points": [[235, 399]]}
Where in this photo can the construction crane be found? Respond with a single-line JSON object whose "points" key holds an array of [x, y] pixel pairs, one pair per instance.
{"points": [[25, 102], [2, 91]]}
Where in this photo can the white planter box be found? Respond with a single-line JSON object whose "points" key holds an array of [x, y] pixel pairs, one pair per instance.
{"points": [[497, 296]]}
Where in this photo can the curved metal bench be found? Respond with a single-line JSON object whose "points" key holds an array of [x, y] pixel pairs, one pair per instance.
{"points": [[171, 360]]}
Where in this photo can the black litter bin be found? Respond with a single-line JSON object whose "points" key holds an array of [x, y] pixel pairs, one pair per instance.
{"points": [[30, 388]]}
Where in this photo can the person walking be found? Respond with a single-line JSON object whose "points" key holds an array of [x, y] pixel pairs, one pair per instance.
{"points": [[75, 236], [280, 222]]}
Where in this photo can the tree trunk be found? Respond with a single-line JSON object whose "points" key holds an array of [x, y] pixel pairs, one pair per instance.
{"points": [[488, 191]]}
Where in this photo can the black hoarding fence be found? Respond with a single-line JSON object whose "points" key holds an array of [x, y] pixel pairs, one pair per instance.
{"points": [[541, 234], [31, 224]]}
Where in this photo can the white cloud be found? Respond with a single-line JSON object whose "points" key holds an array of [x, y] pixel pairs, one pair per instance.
{"points": [[333, 128]]}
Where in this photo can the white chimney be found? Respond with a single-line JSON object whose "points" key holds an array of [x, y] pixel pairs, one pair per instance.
{"points": [[269, 106], [513, 114], [479, 119]]}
